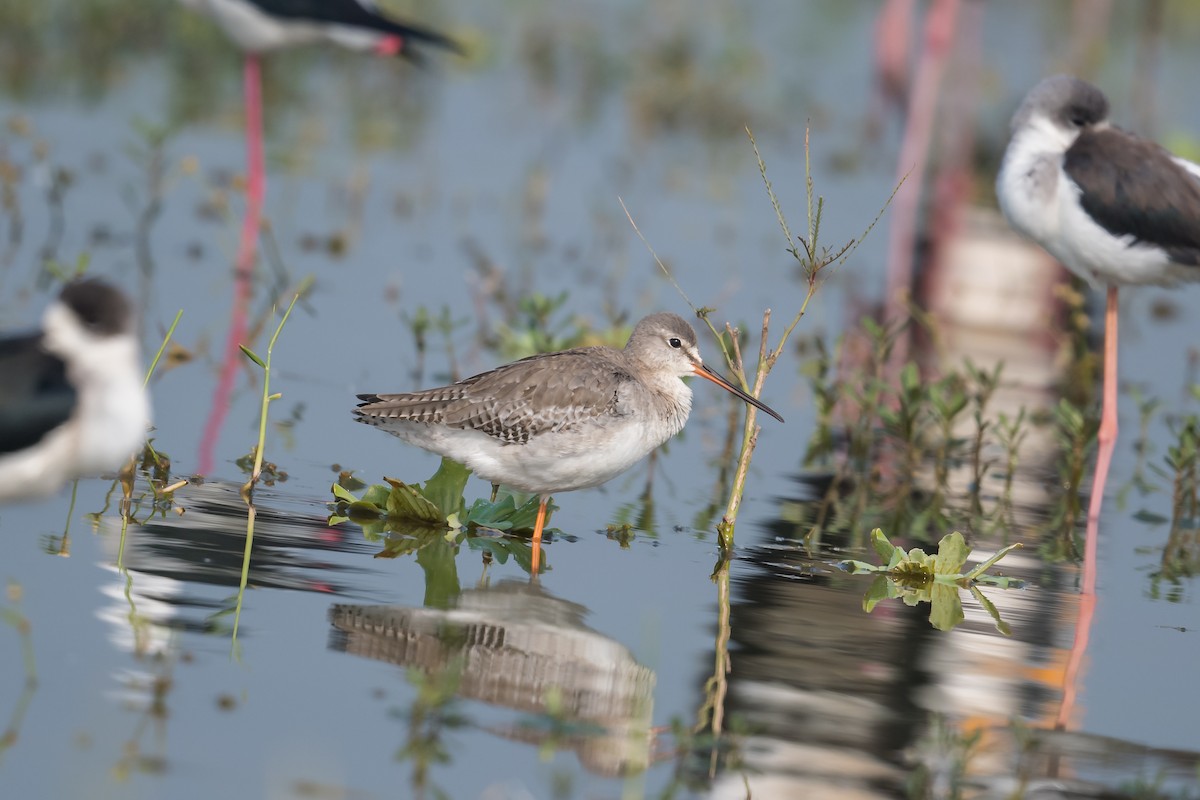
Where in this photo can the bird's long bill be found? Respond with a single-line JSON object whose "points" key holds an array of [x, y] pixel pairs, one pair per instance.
{"points": [[708, 374]]}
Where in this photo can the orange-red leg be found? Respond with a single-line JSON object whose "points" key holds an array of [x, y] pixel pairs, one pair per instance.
{"points": [[1106, 439], [537, 536]]}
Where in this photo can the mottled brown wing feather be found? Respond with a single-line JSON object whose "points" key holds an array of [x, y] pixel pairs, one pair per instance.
{"points": [[1140, 192], [516, 402]]}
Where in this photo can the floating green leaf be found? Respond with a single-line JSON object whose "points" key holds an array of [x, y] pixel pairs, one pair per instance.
{"points": [[445, 488], [406, 503], [951, 555], [343, 494], [945, 607], [880, 589], [918, 577]]}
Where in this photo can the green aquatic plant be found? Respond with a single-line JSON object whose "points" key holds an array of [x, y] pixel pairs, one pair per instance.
{"points": [[1074, 432], [256, 470], [903, 451], [408, 517], [915, 576], [267, 398], [420, 324], [439, 504], [813, 259]]}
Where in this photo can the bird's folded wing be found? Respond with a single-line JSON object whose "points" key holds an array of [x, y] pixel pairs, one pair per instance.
{"points": [[515, 402], [1133, 187], [35, 396]]}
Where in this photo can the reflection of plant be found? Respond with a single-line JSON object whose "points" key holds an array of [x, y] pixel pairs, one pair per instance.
{"points": [[915, 577], [433, 712], [155, 688], [943, 755], [1181, 554], [11, 615]]}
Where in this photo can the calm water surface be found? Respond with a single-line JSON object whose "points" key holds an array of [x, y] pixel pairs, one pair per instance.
{"points": [[445, 671]]}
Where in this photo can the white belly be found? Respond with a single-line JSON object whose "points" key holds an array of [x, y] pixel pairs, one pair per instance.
{"points": [[552, 462], [1042, 202]]}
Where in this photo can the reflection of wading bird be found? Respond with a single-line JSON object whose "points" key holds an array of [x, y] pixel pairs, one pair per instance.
{"points": [[1113, 208], [505, 643], [558, 421], [258, 26], [72, 400]]}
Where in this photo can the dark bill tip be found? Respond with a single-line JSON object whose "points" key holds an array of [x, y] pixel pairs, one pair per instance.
{"points": [[708, 374]]}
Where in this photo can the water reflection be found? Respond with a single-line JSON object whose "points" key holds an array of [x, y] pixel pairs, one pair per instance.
{"points": [[168, 559], [515, 645], [838, 699]]}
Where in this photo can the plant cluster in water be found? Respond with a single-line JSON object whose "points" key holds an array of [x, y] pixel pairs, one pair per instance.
{"points": [[406, 517], [915, 576]]}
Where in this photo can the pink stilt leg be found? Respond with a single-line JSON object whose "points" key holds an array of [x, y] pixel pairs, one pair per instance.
{"points": [[1083, 632], [244, 267], [1106, 439]]}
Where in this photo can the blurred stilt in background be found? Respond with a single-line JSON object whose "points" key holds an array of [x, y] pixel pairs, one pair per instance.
{"points": [[258, 27]]}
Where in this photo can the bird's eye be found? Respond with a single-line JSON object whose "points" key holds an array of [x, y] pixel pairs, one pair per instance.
{"points": [[675, 343]]}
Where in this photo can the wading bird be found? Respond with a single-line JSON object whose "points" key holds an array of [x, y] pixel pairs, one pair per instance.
{"points": [[1114, 208], [73, 401], [260, 26], [559, 421]]}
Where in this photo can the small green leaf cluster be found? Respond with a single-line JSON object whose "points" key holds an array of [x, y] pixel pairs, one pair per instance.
{"points": [[438, 505], [915, 576]]}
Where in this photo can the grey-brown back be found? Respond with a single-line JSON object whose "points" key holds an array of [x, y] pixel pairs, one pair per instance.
{"points": [[518, 401]]}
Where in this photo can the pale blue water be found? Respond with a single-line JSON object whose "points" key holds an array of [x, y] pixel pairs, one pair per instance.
{"points": [[828, 693]]}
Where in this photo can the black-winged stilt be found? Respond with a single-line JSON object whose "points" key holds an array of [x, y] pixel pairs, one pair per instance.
{"points": [[1112, 207], [259, 26], [72, 401]]}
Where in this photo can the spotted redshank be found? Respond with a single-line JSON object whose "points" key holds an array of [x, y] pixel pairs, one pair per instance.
{"points": [[559, 421], [1113, 208], [72, 402]]}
